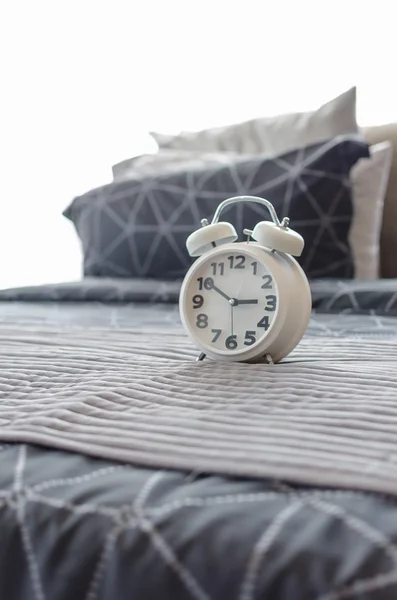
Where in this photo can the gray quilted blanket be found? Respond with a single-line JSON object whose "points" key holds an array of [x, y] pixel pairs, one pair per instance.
{"points": [[118, 380], [209, 482]]}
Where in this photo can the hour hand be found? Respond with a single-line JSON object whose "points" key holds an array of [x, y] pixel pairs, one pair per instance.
{"points": [[253, 301]]}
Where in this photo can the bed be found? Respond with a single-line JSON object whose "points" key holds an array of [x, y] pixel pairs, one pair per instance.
{"points": [[130, 470], [106, 493]]}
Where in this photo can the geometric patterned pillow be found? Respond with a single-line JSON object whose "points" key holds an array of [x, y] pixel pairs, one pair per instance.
{"points": [[138, 227]]}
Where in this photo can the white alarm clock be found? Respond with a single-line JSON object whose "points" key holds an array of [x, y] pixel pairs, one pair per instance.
{"points": [[245, 301]]}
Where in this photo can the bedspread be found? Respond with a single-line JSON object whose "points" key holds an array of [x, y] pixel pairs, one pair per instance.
{"points": [[129, 470], [118, 380]]}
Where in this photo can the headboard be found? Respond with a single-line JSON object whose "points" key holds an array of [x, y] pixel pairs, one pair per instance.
{"points": [[374, 135]]}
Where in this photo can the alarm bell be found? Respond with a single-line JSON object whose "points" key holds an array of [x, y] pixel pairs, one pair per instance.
{"points": [[273, 234], [210, 236], [278, 237]]}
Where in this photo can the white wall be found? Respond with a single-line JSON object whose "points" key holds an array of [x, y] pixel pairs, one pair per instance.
{"points": [[83, 81]]}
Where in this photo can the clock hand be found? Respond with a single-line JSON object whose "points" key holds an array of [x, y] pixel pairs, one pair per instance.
{"points": [[242, 280], [214, 287], [246, 302]]}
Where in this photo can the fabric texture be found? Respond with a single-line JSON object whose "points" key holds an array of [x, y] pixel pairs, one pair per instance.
{"points": [[170, 161], [138, 227], [118, 380], [101, 367], [328, 295], [272, 135], [369, 179], [375, 135], [87, 528]]}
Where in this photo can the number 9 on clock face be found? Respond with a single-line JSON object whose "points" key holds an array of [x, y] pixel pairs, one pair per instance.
{"points": [[230, 301]]}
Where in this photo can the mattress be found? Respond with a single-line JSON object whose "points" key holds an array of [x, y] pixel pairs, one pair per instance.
{"points": [[128, 470]]}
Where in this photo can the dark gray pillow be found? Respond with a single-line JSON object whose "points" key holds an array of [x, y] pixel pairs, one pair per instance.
{"points": [[138, 227]]}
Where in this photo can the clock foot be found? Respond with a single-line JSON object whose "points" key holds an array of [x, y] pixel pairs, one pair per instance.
{"points": [[269, 359], [201, 356]]}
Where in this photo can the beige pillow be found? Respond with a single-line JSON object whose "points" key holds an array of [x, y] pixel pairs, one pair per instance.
{"points": [[169, 161], [369, 178], [388, 242], [272, 135]]}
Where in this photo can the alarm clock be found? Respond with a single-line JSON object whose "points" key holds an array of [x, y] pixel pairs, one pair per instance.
{"points": [[245, 301]]}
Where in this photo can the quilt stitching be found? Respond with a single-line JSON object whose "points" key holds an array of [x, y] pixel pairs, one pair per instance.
{"points": [[100, 569], [149, 510], [262, 546], [138, 515], [373, 535], [20, 501]]}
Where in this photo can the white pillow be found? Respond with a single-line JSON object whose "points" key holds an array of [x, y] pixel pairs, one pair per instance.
{"points": [[170, 161], [272, 135], [369, 178]]}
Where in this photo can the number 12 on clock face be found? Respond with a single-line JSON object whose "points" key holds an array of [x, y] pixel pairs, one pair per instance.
{"points": [[234, 262]]}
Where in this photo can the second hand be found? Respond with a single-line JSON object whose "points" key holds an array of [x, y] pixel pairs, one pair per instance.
{"points": [[231, 316], [233, 303]]}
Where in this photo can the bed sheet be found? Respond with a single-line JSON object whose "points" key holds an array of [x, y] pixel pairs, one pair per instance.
{"points": [[77, 526]]}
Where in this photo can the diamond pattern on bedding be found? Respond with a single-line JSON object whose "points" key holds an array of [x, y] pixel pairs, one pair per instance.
{"points": [[93, 529]]}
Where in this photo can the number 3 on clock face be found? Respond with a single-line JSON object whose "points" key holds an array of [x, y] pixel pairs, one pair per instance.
{"points": [[230, 301]]}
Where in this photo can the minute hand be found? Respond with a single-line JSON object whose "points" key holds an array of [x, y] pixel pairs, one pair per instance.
{"points": [[214, 287]]}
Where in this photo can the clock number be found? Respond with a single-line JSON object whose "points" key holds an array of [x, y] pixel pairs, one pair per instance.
{"points": [[231, 342], [215, 267], [198, 301], [254, 266], [264, 322], [268, 282], [237, 265], [208, 283], [249, 338], [202, 321], [241, 263], [271, 303], [217, 334]]}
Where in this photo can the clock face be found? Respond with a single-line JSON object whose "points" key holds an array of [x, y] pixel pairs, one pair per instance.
{"points": [[231, 302]]}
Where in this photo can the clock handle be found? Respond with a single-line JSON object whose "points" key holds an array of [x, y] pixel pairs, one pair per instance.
{"points": [[258, 200]]}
